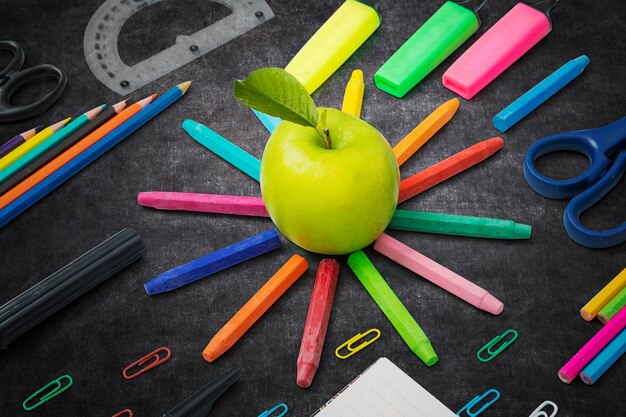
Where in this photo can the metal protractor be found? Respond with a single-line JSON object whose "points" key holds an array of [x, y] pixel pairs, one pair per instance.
{"points": [[103, 30]]}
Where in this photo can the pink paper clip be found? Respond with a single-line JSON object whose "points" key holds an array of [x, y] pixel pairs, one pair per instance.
{"points": [[155, 356], [124, 412]]}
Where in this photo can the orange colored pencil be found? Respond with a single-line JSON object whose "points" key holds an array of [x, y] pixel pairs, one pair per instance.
{"points": [[48, 169], [255, 307]]}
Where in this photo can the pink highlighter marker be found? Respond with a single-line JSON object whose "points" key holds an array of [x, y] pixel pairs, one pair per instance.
{"points": [[507, 41]]}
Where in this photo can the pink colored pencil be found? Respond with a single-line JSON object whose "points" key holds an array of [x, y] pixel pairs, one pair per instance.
{"points": [[611, 329], [317, 321], [205, 203], [438, 274]]}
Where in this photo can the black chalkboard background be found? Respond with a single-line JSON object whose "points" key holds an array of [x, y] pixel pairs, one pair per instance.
{"points": [[543, 282]]}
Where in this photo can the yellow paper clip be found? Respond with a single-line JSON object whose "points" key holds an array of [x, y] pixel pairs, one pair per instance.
{"points": [[52, 392], [540, 412], [353, 97], [352, 350]]}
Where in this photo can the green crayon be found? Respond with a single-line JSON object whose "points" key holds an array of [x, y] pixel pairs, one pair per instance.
{"points": [[613, 307], [390, 304], [452, 224], [441, 35]]}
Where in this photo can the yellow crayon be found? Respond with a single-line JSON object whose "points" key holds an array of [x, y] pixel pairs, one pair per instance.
{"points": [[353, 97], [591, 309], [31, 143]]}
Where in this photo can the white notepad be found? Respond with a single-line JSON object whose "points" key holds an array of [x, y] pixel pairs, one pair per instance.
{"points": [[383, 390]]}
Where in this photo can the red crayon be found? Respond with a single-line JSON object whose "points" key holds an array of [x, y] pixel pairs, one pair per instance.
{"points": [[448, 168], [317, 321]]}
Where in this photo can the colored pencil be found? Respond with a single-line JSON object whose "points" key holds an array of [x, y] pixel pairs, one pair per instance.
{"points": [[205, 203], [425, 130], [25, 147], [609, 355], [16, 141], [255, 307], [610, 290], [77, 163], [59, 136], [613, 307], [448, 168], [317, 320], [353, 97]]}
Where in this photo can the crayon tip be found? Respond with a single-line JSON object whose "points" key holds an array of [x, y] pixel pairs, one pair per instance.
{"points": [[210, 353], [522, 231], [453, 104], [496, 142], [306, 372], [426, 353], [154, 286], [184, 86], [357, 76], [492, 305], [582, 61], [145, 199]]}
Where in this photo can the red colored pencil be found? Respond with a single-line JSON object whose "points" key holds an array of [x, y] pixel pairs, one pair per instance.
{"points": [[317, 321], [448, 168]]}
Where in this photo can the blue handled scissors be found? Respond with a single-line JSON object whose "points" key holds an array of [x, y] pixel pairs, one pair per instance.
{"points": [[598, 145], [13, 77]]}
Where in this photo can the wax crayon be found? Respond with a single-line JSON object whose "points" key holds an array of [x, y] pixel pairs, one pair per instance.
{"points": [[613, 307], [317, 320], [269, 293], [438, 274], [392, 307], [353, 97], [609, 355], [610, 290], [425, 130], [451, 224], [224, 148], [205, 203], [441, 171], [599, 341], [213, 262]]}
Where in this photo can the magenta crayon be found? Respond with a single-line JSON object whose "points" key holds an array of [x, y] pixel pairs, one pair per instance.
{"points": [[205, 203], [438, 274], [507, 41], [605, 335], [317, 319]]}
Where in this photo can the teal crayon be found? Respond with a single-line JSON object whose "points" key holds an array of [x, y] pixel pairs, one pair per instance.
{"points": [[223, 148], [607, 357], [214, 262], [392, 307], [452, 224]]}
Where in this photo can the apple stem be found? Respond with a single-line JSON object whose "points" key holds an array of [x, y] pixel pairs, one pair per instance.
{"points": [[323, 130]]}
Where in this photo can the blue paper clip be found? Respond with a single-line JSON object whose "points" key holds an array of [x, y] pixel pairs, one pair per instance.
{"points": [[57, 390], [468, 407], [271, 411]]}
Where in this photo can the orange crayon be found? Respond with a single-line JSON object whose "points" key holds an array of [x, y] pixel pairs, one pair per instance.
{"points": [[255, 307], [58, 162], [425, 130], [447, 168]]}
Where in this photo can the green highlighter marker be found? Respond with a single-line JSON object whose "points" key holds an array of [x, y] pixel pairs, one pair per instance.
{"points": [[452, 224], [441, 35], [393, 308]]}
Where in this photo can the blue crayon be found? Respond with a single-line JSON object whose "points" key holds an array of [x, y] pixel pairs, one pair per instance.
{"points": [[223, 148], [270, 122], [213, 262], [605, 359], [539, 94], [92, 153]]}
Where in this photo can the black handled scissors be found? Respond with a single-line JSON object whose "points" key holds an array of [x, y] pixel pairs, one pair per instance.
{"points": [[13, 77]]}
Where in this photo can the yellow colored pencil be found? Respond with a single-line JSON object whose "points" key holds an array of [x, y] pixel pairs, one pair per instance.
{"points": [[353, 97], [31, 143], [591, 309]]}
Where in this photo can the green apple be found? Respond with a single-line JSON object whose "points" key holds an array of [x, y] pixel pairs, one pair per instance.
{"points": [[330, 201]]}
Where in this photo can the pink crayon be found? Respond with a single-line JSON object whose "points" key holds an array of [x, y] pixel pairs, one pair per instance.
{"points": [[206, 203], [438, 274], [611, 329], [507, 41]]}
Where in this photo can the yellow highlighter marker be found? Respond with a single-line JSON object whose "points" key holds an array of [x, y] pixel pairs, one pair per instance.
{"points": [[31, 143], [591, 309], [353, 97], [425, 130], [342, 34]]}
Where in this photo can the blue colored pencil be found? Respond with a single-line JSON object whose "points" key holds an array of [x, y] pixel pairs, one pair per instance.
{"points": [[539, 94], [214, 262], [607, 357], [223, 148], [270, 122], [90, 154]]}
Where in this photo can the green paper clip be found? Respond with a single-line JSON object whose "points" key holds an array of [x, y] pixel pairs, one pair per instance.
{"points": [[493, 343], [57, 390]]}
